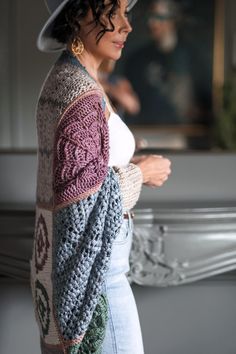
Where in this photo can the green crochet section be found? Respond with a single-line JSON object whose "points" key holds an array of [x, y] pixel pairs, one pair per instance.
{"points": [[94, 337]]}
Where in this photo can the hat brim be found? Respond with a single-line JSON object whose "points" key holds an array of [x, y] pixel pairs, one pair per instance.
{"points": [[46, 43]]}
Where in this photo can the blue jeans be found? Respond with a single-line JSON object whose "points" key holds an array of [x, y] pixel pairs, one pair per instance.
{"points": [[123, 332]]}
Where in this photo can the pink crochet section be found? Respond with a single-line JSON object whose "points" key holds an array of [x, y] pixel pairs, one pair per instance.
{"points": [[81, 150]]}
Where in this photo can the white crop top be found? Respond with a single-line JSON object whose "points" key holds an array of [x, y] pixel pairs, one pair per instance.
{"points": [[122, 143]]}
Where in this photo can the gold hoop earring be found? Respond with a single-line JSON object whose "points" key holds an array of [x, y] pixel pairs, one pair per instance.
{"points": [[77, 46]]}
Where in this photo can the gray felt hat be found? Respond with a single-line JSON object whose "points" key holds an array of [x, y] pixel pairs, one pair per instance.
{"points": [[45, 42]]}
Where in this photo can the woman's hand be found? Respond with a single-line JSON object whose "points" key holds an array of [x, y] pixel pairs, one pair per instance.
{"points": [[155, 169]]}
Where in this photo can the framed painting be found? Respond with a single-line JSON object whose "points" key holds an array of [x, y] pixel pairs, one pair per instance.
{"points": [[174, 61]]}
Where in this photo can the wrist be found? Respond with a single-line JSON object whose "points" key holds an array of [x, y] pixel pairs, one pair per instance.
{"points": [[142, 172]]}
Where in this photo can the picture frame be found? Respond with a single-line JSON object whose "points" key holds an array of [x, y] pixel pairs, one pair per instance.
{"points": [[204, 31]]}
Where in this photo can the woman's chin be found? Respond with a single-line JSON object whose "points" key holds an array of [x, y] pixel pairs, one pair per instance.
{"points": [[115, 56]]}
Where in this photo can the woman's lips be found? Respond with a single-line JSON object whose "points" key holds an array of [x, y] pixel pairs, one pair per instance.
{"points": [[119, 45]]}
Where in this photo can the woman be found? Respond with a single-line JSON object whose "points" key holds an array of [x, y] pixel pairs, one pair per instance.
{"points": [[85, 189]]}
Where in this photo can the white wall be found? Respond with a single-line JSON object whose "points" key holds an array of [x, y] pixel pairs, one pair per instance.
{"points": [[18, 330], [22, 71]]}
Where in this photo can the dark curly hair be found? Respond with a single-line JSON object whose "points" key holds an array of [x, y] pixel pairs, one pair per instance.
{"points": [[66, 25]]}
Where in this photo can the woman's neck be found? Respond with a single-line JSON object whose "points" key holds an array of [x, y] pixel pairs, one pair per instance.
{"points": [[91, 66], [89, 62]]}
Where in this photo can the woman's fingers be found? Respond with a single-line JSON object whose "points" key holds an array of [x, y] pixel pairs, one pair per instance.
{"points": [[155, 169]]}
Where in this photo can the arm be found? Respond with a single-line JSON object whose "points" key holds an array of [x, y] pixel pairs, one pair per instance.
{"points": [[151, 170], [87, 201], [87, 197], [130, 182]]}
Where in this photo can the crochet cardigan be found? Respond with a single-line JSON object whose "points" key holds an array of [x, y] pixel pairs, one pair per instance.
{"points": [[79, 210]]}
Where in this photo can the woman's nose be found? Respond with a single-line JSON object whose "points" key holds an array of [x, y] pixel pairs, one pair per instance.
{"points": [[126, 26]]}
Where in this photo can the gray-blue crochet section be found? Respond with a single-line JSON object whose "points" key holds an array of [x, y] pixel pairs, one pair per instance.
{"points": [[82, 244]]}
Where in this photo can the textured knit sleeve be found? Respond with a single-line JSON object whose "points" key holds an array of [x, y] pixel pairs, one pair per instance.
{"points": [[130, 182], [81, 151], [83, 237], [87, 218]]}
